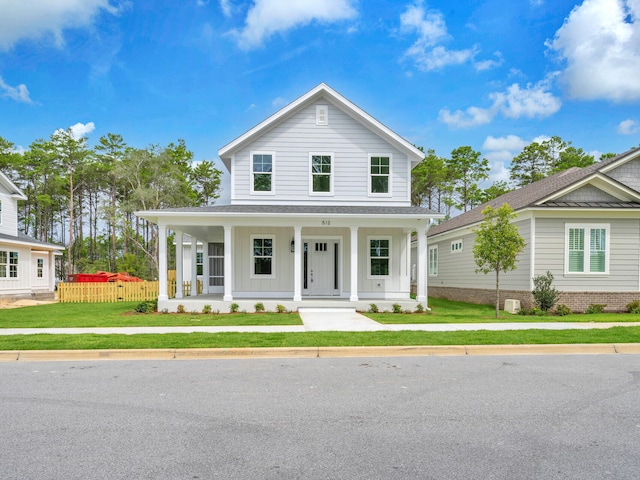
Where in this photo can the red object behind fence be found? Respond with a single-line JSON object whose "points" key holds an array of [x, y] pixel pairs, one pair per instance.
{"points": [[102, 277]]}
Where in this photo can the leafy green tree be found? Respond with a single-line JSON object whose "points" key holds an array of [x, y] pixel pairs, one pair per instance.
{"points": [[544, 294], [428, 180], [205, 178], [466, 170], [531, 165], [497, 188], [572, 157], [497, 244]]}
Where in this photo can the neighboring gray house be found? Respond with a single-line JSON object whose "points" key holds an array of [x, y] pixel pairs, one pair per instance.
{"points": [[320, 210], [27, 266], [582, 225]]}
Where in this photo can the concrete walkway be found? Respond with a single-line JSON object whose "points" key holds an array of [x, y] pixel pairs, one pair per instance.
{"points": [[325, 319]]}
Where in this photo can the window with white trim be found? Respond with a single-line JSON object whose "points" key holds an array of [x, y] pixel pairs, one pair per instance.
{"points": [[40, 267], [263, 256], [433, 261], [587, 248], [199, 263], [322, 115], [379, 256], [456, 246], [321, 173], [8, 264], [379, 174], [262, 172]]}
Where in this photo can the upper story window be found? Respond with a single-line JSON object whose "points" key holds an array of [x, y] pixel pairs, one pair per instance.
{"points": [[322, 115], [587, 248], [456, 246], [321, 173], [262, 172], [433, 261], [379, 174], [379, 256]]}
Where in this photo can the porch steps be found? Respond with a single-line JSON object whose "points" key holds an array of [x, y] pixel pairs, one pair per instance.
{"points": [[337, 319]]}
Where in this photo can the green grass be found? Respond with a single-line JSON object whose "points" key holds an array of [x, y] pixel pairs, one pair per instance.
{"points": [[447, 311], [317, 339], [67, 315]]}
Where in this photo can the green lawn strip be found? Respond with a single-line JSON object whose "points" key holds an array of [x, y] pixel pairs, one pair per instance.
{"points": [[73, 315], [317, 339], [447, 311]]}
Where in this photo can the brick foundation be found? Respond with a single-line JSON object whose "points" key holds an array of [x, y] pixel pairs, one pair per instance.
{"points": [[576, 301]]}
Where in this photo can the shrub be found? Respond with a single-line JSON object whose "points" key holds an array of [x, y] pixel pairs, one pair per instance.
{"points": [[165, 310], [206, 309], [233, 308], [373, 308], [397, 308], [419, 308], [563, 310], [259, 307], [596, 308], [180, 309], [281, 309], [633, 307], [145, 307], [544, 295]]}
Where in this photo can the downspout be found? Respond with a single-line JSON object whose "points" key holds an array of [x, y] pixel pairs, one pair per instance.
{"points": [[429, 225]]}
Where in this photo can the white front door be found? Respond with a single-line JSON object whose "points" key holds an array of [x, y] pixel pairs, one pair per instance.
{"points": [[320, 265]]}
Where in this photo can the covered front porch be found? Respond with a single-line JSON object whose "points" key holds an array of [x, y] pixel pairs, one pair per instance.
{"points": [[294, 256]]}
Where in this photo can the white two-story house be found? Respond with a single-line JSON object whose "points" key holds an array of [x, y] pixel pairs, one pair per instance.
{"points": [[320, 210], [27, 266]]}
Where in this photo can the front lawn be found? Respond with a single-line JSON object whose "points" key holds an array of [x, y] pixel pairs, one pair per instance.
{"points": [[447, 311], [78, 315]]}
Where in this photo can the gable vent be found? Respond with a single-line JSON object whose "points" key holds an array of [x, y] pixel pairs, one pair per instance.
{"points": [[322, 115]]}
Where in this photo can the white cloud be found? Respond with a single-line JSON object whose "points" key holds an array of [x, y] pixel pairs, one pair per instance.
{"points": [[80, 130], [278, 102], [431, 29], [628, 127], [19, 93], [483, 65], [268, 17], [515, 102], [600, 42], [510, 142], [22, 20], [226, 7]]}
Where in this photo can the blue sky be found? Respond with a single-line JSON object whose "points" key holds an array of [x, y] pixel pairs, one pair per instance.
{"points": [[492, 74]]}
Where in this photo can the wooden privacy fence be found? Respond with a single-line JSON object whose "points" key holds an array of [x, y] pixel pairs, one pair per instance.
{"points": [[91, 292]]}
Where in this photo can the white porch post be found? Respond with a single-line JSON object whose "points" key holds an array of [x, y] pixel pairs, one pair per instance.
{"points": [[205, 268], [179, 270], [421, 287], [52, 271], [354, 264], [162, 263], [194, 267], [228, 272], [297, 264]]}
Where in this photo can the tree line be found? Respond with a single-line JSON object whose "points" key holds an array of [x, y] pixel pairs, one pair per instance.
{"points": [[84, 197], [444, 184]]}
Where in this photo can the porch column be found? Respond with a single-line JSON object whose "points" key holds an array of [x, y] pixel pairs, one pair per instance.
{"points": [[194, 267], [205, 268], [162, 263], [297, 264], [52, 271], [421, 281], [354, 264], [179, 271], [228, 272]]}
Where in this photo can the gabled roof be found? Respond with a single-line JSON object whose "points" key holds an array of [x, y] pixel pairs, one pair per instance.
{"points": [[325, 92], [544, 192], [26, 240], [11, 187]]}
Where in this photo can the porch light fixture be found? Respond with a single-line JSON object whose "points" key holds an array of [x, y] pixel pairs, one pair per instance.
{"points": [[293, 245]]}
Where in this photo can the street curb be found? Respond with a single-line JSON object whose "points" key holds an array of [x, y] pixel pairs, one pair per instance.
{"points": [[315, 352]]}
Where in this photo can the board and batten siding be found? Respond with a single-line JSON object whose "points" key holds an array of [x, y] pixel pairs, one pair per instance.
{"points": [[23, 283], [349, 141], [624, 255], [458, 268], [399, 278], [9, 220]]}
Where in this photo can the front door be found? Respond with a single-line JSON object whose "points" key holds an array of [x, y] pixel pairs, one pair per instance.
{"points": [[320, 274]]}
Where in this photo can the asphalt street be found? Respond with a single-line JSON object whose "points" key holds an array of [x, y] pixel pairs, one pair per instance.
{"points": [[486, 417]]}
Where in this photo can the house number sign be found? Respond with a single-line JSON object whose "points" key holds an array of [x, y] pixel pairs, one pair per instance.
{"points": [[326, 223]]}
